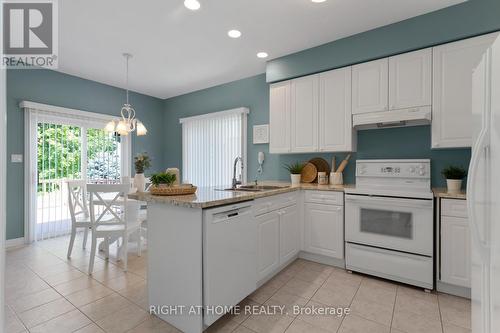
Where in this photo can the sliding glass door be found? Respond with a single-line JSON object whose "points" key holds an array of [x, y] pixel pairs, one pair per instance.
{"points": [[63, 148], [63, 152]]}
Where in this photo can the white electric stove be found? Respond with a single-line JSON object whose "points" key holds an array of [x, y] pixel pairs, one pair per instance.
{"points": [[389, 221]]}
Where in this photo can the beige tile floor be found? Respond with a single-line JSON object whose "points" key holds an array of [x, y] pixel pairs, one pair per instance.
{"points": [[45, 292]]}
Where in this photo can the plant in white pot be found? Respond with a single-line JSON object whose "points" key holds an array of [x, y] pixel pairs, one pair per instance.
{"points": [[295, 170], [454, 176], [142, 162]]}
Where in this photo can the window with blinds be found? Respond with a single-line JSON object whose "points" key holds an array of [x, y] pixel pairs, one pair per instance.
{"points": [[210, 144]]}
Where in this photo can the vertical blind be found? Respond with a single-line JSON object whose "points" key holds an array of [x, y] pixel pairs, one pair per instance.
{"points": [[60, 145], [210, 143]]}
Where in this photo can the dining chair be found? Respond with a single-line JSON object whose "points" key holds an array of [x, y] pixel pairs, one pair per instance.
{"points": [[143, 211], [78, 210], [112, 216]]}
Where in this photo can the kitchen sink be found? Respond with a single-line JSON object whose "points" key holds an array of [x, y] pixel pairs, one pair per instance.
{"points": [[255, 188]]}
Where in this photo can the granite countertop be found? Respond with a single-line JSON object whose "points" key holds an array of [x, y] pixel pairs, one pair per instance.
{"points": [[442, 192], [206, 197]]}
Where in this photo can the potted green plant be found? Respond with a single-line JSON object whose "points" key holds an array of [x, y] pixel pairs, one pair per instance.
{"points": [[162, 183], [295, 170], [454, 176], [163, 178], [142, 162]]}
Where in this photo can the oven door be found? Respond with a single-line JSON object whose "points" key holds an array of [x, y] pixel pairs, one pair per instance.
{"points": [[399, 224]]}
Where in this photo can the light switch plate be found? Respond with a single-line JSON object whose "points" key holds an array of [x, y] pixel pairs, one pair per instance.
{"points": [[260, 134], [16, 158]]}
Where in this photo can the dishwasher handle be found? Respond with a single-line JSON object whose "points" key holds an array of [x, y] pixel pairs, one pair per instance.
{"points": [[232, 214]]}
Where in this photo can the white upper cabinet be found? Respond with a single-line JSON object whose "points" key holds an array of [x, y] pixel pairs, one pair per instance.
{"points": [[453, 65], [304, 112], [410, 79], [335, 121], [279, 117], [370, 84]]}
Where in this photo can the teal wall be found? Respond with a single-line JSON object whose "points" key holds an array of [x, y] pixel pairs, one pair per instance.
{"points": [[253, 92], [163, 142], [468, 19], [50, 87]]}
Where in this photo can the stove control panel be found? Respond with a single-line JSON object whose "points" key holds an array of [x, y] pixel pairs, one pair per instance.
{"points": [[393, 168]]}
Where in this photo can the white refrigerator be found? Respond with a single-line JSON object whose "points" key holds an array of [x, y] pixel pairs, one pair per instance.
{"points": [[483, 193]]}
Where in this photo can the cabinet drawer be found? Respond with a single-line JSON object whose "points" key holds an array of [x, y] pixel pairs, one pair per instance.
{"points": [[325, 197], [271, 203], [454, 207]]}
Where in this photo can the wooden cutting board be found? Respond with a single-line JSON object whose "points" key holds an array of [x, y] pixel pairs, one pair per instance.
{"points": [[320, 164]]}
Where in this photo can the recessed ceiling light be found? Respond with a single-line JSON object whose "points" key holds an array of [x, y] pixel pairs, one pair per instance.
{"points": [[192, 4], [318, 1], [234, 33], [262, 55]]}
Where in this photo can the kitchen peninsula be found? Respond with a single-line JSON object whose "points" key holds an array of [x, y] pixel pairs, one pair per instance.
{"points": [[216, 247]]}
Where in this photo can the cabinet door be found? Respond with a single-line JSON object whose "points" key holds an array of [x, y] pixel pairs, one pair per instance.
{"points": [[370, 84], [269, 240], [324, 230], [279, 117], [304, 106], [453, 65], [455, 251], [289, 233], [410, 79], [335, 120]]}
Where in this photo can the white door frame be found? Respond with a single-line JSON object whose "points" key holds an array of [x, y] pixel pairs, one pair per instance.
{"points": [[58, 115], [3, 177]]}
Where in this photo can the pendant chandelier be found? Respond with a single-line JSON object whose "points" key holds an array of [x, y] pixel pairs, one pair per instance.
{"points": [[128, 123]]}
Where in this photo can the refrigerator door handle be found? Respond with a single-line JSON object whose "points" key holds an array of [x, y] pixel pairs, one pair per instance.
{"points": [[477, 153], [479, 150]]}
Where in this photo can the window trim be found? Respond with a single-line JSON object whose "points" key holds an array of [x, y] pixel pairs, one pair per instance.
{"points": [[244, 142], [241, 110]]}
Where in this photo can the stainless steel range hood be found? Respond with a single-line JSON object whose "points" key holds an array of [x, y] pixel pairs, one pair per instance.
{"points": [[394, 118]]}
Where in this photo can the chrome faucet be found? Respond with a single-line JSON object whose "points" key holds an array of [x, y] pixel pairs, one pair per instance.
{"points": [[235, 181]]}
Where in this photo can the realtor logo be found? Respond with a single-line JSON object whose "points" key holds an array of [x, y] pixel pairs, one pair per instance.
{"points": [[30, 34]]}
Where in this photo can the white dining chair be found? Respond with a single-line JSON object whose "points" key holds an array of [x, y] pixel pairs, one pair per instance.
{"points": [[143, 212], [78, 211], [112, 217]]}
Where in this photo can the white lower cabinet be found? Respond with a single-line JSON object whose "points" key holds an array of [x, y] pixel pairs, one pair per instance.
{"points": [[269, 246], [278, 225], [455, 243], [324, 229], [289, 233]]}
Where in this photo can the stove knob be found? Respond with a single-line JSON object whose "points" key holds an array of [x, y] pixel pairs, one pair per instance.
{"points": [[421, 167], [412, 169], [421, 172]]}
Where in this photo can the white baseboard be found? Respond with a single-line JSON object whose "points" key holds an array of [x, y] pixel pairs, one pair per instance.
{"points": [[9, 243], [452, 289], [319, 258]]}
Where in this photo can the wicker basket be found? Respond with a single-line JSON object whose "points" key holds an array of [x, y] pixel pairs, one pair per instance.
{"points": [[184, 189], [309, 173]]}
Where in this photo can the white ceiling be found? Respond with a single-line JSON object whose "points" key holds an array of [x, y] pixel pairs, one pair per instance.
{"points": [[178, 51]]}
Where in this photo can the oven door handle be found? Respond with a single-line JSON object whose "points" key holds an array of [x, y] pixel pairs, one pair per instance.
{"points": [[399, 201]]}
